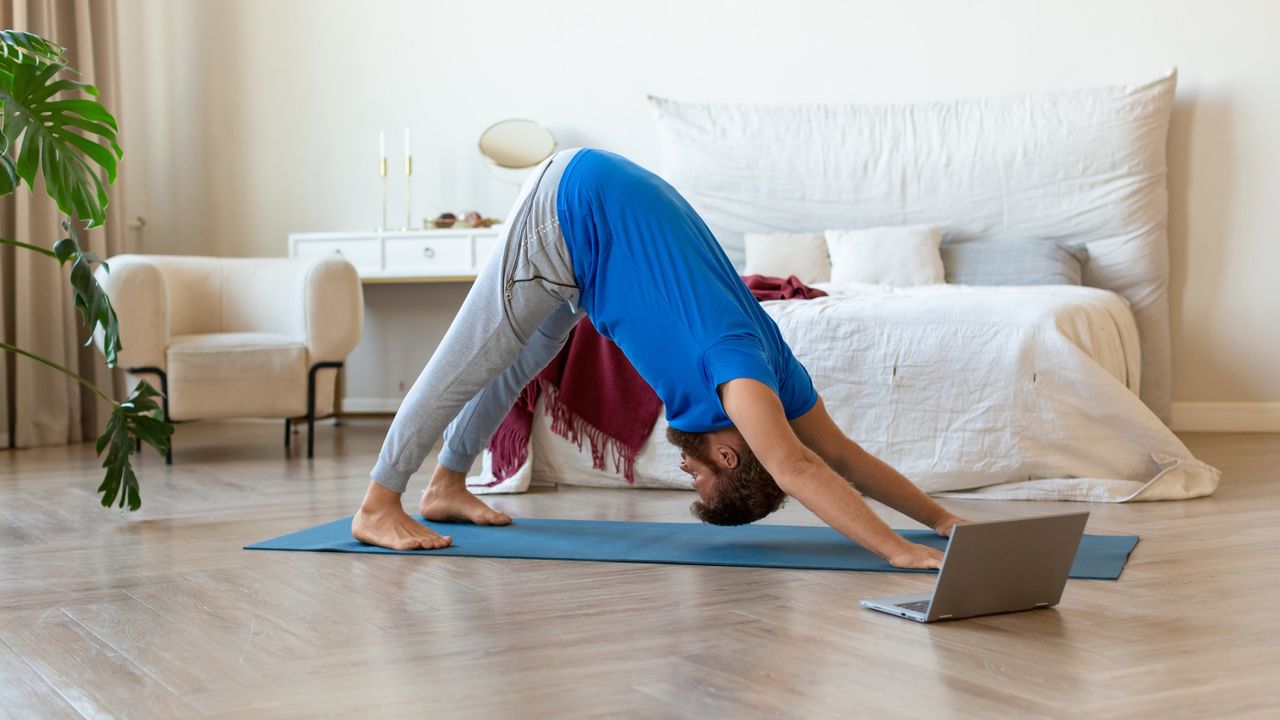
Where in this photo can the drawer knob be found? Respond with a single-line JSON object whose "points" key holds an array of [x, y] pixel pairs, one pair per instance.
{"points": [[338, 253], [428, 252]]}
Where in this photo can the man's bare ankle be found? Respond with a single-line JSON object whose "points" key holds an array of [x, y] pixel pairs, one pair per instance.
{"points": [[378, 499], [445, 479]]}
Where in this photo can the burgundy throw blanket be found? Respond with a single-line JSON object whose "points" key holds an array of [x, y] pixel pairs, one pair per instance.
{"points": [[774, 288], [594, 394]]}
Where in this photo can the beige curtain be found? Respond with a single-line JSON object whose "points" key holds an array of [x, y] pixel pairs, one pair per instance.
{"points": [[39, 406]]}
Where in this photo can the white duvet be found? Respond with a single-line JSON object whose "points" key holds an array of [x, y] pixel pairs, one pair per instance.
{"points": [[982, 392]]}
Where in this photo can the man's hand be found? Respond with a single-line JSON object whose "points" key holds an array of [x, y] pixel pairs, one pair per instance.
{"points": [[944, 526], [916, 556]]}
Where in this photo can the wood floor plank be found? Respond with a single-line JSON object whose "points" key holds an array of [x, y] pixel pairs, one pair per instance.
{"points": [[90, 675], [167, 650], [262, 626], [24, 694], [1237, 699]]}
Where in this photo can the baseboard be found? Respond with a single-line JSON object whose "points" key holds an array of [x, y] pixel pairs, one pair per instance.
{"points": [[370, 405], [1226, 417]]}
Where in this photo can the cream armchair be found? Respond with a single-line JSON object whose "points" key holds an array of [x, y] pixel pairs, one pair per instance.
{"points": [[237, 337]]}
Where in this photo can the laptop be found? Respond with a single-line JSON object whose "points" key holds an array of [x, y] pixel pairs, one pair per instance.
{"points": [[996, 567]]}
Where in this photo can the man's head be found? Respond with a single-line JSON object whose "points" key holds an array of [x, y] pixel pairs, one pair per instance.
{"points": [[733, 487]]}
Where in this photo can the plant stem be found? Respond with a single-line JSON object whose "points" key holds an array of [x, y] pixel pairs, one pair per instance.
{"points": [[59, 368], [37, 248]]}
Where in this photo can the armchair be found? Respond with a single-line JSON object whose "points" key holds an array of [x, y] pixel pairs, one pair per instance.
{"points": [[237, 337]]}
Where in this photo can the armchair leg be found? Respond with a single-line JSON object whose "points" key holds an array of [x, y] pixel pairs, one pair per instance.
{"points": [[311, 403], [288, 430], [164, 390]]}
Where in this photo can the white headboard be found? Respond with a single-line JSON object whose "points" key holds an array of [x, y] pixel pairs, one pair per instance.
{"points": [[1083, 167]]}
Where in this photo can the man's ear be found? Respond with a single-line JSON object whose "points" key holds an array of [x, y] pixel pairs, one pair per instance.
{"points": [[726, 455]]}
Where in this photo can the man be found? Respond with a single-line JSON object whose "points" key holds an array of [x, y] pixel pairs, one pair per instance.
{"points": [[594, 233]]}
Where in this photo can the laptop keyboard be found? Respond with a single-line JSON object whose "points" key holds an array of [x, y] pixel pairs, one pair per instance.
{"points": [[920, 606]]}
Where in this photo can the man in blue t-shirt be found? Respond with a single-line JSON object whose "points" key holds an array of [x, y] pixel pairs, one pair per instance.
{"points": [[593, 233]]}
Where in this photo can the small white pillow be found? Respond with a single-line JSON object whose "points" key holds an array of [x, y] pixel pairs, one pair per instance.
{"points": [[785, 254], [898, 256]]}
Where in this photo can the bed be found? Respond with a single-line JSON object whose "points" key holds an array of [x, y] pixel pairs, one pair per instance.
{"points": [[1019, 392], [1010, 393]]}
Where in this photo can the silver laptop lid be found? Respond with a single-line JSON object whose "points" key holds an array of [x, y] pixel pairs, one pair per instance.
{"points": [[1008, 565]]}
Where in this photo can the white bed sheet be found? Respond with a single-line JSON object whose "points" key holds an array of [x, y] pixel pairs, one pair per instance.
{"points": [[984, 392]]}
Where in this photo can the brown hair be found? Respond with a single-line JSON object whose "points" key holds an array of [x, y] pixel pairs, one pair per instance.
{"points": [[739, 495]]}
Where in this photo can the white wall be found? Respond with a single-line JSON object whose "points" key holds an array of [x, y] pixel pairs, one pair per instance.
{"points": [[245, 120]]}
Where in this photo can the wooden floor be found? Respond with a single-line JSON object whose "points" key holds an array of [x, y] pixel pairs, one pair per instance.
{"points": [[160, 614]]}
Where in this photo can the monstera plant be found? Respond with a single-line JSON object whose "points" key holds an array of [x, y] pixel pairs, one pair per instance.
{"points": [[54, 130]]}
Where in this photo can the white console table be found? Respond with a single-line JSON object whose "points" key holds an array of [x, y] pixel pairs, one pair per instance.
{"points": [[404, 256], [419, 280]]}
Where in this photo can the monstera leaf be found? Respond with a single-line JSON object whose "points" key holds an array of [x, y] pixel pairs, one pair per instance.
{"points": [[90, 299], [138, 418], [51, 126], [24, 47]]}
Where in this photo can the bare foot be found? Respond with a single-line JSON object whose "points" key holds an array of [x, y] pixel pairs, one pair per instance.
{"points": [[383, 522], [447, 499]]}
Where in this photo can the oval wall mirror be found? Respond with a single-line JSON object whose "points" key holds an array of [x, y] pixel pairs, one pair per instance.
{"points": [[517, 143]]}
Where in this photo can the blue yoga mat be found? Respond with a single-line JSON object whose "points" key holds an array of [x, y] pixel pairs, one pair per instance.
{"points": [[1100, 557]]}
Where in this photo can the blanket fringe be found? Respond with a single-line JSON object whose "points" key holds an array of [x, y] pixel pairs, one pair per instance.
{"points": [[509, 445], [604, 448]]}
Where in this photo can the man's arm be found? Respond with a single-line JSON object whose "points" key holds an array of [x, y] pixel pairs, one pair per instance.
{"points": [[758, 414], [869, 474]]}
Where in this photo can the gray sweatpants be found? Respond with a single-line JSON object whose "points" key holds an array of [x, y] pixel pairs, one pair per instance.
{"points": [[512, 324]]}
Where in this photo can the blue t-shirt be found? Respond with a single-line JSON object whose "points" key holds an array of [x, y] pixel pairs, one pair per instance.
{"points": [[654, 280]]}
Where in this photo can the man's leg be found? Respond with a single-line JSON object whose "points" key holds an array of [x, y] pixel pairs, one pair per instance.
{"points": [[524, 282], [447, 498], [483, 341]]}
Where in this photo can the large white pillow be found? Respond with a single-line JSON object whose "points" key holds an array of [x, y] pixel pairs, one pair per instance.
{"points": [[897, 256], [785, 254], [1080, 167]]}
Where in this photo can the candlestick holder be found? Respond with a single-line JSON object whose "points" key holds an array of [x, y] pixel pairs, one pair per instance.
{"points": [[382, 172], [408, 194]]}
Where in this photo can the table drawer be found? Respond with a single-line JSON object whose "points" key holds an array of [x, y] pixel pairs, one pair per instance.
{"points": [[363, 253], [428, 254]]}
